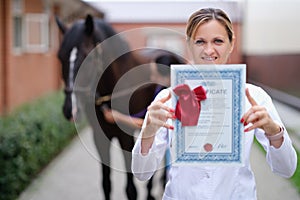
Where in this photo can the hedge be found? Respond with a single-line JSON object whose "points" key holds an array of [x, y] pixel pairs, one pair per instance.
{"points": [[30, 137]]}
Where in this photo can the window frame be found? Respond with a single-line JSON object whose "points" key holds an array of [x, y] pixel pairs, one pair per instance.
{"points": [[17, 13], [43, 21]]}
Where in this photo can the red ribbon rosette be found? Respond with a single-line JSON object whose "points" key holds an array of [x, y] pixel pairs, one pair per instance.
{"points": [[188, 106]]}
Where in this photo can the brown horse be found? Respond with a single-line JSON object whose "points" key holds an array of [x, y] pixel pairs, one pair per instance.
{"points": [[94, 61]]}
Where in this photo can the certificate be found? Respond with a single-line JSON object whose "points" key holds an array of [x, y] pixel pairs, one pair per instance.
{"points": [[218, 135]]}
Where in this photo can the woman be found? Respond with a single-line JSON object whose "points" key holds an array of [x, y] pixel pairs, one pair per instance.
{"points": [[211, 40]]}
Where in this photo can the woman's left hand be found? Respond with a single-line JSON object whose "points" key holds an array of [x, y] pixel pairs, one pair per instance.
{"points": [[259, 117]]}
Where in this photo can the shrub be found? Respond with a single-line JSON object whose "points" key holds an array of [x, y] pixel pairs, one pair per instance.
{"points": [[30, 138]]}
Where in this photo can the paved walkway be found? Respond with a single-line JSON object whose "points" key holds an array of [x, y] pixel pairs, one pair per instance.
{"points": [[75, 173]]}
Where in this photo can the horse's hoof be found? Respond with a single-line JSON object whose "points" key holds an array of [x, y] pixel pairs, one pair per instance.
{"points": [[131, 192]]}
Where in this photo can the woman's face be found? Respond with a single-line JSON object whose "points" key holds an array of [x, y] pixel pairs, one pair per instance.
{"points": [[211, 44]]}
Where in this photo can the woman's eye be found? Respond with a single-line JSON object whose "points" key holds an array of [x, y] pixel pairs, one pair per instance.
{"points": [[199, 42], [219, 41]]}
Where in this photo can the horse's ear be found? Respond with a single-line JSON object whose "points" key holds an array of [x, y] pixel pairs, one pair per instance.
{"points": [[60, 25], [89, 24]]}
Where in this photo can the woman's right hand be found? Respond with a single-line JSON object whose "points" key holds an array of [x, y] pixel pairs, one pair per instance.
{"points": [[158, 114]]}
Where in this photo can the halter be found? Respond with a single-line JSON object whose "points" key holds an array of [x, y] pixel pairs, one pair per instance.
{"points": [[96, 61]]}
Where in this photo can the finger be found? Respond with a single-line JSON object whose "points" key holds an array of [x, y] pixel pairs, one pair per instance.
{"points": [[168, 126], [159, 123], [260, 114], [245, 117], [255, 111], [165, 99], [253, 117], [159, 106], [250, 128], [171, 116], [257, 124], [162, 115], [250, 98], [250, 111]]}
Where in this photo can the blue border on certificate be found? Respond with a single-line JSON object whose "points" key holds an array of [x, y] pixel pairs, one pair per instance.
{"points": [[237, 76]]}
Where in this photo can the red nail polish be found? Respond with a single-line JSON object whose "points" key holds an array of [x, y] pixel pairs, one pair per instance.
{"points": [[172, 127], [174, 117], [172, 110], [246, 130], [245, 123], [242, 120]]}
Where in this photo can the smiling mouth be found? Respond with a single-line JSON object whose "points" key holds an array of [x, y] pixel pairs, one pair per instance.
{"points": [[209, 58]]}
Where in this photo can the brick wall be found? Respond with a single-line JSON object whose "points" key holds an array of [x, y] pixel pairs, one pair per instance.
{"points": [[2, 24], [4, 51], [25, 76]]}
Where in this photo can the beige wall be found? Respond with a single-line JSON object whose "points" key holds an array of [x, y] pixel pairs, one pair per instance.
{"points": [[271, 27], [271, 44]]}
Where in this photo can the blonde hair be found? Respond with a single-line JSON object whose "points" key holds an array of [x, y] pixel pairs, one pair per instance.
{"points": [[205, 15]]}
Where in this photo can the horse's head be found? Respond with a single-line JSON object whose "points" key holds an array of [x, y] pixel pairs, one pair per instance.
{"points": [[78, 41]]}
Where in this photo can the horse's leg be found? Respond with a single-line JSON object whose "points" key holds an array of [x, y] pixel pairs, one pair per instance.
{"points": [[130, 188], [164, 177], [103, 146], [127, 142], [102, 143], [167, 167], [106, 183], [149, 188]]}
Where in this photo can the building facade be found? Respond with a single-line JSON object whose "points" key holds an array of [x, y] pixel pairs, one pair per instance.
{"points": [[29, 40]]}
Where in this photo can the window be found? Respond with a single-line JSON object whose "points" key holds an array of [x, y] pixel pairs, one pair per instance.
{"points": [[36, 33], [17, 11], [31, 30]]}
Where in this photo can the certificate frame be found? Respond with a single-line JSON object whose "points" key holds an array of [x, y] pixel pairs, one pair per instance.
{"points": [[228, 133]]}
